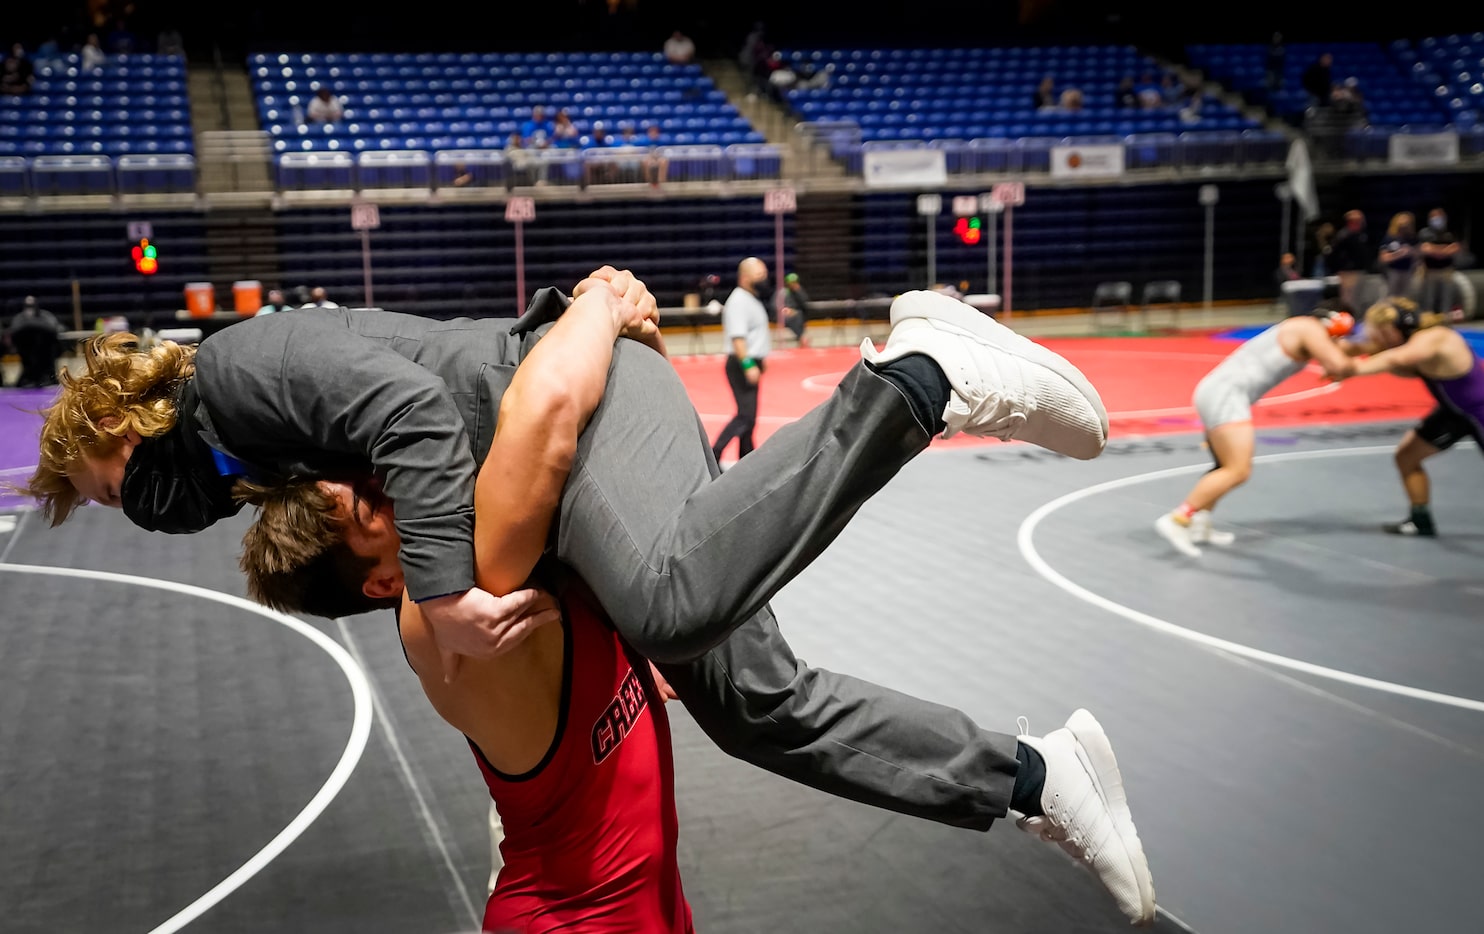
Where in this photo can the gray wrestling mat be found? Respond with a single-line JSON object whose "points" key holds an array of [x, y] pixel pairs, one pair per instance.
{"points": [[1298, 717]]}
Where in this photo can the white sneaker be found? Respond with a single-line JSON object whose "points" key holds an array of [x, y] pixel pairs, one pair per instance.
{"points": [[1005, 385], [1176, 534], [1202, 533], [1087, 812]]}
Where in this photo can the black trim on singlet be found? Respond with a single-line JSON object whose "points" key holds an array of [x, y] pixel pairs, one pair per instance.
{"points": [[561, 727], [1447, 424]]}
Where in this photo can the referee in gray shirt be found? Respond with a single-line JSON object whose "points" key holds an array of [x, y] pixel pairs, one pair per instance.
{"points": [[745, 321]]}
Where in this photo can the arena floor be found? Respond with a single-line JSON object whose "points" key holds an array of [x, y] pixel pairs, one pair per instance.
{"points": [[1299, 717]]}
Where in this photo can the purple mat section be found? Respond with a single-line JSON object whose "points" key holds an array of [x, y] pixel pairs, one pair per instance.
{"points": [[19, 428]]}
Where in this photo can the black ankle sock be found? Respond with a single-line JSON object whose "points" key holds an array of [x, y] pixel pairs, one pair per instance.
{"points": [[1029, 780], [1421, 515], [923, 383]]}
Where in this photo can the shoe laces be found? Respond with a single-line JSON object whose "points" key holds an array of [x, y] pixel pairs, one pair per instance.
{"points": [[996, 415]]}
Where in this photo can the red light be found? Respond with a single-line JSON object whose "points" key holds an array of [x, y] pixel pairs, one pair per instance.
{"points": [[968, 230], [145, 259]]}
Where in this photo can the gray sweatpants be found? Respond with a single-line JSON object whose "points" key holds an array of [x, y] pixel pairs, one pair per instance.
{"points": [[684, 560]]}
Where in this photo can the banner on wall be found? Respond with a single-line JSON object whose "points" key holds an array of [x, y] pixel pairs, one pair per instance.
{"points": [[1408, 149], [1086, 161], [890, 168]]}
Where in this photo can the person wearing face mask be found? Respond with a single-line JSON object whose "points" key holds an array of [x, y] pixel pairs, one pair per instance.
{"points": [[1439, 252], [746, 324], [1399, 254]]}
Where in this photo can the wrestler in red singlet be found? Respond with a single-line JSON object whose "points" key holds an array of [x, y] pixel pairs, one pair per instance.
{"points": [[590, 832]]}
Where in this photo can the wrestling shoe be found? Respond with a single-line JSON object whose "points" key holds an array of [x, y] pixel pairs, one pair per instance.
{"points": [[1004, 385], [1181, 536], [1202, 533], [1087, 814], [1411, 527]]}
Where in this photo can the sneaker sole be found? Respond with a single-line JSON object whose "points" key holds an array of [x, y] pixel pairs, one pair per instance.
{"points": [[1162, 526], [1096, 753], [950, 311]]}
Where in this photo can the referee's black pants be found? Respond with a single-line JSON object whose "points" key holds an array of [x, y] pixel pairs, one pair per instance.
{"points": [[742, 424]]}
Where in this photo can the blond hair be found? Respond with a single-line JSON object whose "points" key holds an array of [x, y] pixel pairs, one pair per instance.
{"points": [[1388, 311], [1403, 217], [295, 556], [133, 390]]}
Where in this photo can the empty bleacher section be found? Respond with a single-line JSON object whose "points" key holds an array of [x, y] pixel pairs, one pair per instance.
{"points": [[1409, 90], [979, 105], [1449, 70], [1392, 96], [432, 103], [122, 126]]}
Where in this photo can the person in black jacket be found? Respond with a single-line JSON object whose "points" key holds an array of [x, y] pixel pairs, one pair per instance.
{"points": [[1319, 80], [36, 335], [1351, 258]]}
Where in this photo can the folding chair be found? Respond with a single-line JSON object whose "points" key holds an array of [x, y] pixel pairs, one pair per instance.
{"points": [[1160, 291], [1111, 296]]}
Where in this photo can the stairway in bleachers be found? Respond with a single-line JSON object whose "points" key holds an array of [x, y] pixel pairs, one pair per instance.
{"points": [[242, 245]]}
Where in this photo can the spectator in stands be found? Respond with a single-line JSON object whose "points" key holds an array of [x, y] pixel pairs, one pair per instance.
{"points": [[754, 57], [599, 138], [1324, 245], [1127, 99], [324, 107], [520, 160], [679, 49], [1149, 93], [170, 42], [36, 335], [1348, 102], [795, 307], [538, 130], [121, 40], [1190, 111], [462, 177], [599, 169], [91, 55], [1046, 93], [1277, 55], [564, 133], [1351, 259], [1440, 250], [1399, 255], [48, 51], [1319, 79], [276, 303], [781, 78], [318, 298], [1287, 271], [656, 163], [16, 72], [630, 168], [1071, 100], [1170, 90]]}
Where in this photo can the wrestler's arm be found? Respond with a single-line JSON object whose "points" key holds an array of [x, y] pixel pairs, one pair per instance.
{"points": [[1401, 361], [1324, 351], [550, 399]]}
